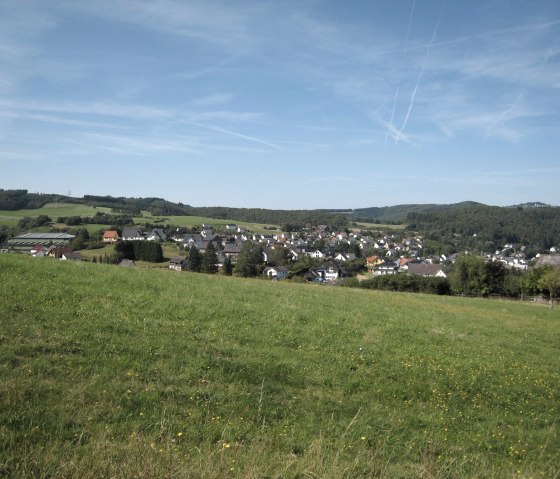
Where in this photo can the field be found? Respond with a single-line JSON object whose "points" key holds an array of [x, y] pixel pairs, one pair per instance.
{"points": [[190, 221], [56, 210], [108, 372]]}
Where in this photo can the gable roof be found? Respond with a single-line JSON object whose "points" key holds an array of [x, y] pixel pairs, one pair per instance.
{"points": [[132, 232], [177, 260], [424, 269]]}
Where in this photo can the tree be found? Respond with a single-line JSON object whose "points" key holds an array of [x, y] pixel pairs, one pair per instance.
{"points": [[494, 277], [280, 256], [209, 263], [551, 282], [228, 267], [468, 275], [195, 260], [250, 262], [531, 280]]}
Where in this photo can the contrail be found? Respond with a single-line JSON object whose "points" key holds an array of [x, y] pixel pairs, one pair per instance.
{"points": [[402, 68], [239, 135], [434, 34]]}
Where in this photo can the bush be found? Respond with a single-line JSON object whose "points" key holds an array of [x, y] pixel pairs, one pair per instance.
{"points": [[408, 283]]}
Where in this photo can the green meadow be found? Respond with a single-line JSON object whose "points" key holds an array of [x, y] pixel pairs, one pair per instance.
{"points": [[190, 221], [110, 372], [53, 210], [56, 210]]}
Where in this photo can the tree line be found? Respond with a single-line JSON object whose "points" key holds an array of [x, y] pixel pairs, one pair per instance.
{"points": [[488, 228]]}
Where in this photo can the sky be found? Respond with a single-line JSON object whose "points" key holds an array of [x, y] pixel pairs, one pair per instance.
{"points": [[282, 104]]}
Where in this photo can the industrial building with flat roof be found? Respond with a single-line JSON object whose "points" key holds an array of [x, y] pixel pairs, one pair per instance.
{"points": [[26, 241]]}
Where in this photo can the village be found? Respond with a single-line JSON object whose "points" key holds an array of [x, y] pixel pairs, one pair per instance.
{"points": [[316, 255]]}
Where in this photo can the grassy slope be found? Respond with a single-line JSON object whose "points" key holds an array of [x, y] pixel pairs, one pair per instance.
{"points": [[107, 372], [55, 210], [190, 221]]}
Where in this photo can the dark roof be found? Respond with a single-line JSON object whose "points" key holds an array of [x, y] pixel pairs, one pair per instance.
{"points": [[132, 232], [424, 269], [548, 259], [177, 259]]}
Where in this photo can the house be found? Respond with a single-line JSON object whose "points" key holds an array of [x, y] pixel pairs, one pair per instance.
{"points": [[345, 257], [208, 234], [547, 259], [404, 263], [232, 250], [388, 267], [38, 250], [178, 263], [133, 233], [157, 234], [63, 253], [373, 261], [426, 269], [276, 272], [296, 254], [331, 271], [110, 236], [317, 254], [231, 227]]}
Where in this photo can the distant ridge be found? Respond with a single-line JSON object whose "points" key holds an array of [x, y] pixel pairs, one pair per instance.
{"points": [[533, 204], [22, 199], [400, 212]]}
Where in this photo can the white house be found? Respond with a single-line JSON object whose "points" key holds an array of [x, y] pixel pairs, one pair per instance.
{"points": [[276, 272]]}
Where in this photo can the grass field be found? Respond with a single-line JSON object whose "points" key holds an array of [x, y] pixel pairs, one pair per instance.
{"points": [[107, 372], [379, 227], [55, 210], [190, 221]]}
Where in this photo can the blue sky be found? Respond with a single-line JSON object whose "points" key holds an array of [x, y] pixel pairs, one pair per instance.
{"points": [[282, 104]]}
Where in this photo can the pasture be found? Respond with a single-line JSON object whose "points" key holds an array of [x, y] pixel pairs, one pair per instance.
{"points": [[108, 372]]}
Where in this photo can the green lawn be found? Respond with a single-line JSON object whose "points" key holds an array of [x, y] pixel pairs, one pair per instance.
{"points": [[107, 372]]}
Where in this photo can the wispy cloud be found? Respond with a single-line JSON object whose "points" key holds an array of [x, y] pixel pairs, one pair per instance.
{"points": [[214, 23]]}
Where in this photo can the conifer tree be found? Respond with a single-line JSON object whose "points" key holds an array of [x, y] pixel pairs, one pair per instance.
{"points": [[228, 267], [250, 262], [209, 262], [195, 260]]}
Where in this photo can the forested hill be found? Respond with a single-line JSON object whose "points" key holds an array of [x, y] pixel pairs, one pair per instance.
{"points": [[492, 226], [287, 219], [399, 213], [531, 223]]}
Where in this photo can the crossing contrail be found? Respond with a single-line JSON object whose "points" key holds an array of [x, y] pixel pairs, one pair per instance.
{"points": [[411, 104], [391, 127]]}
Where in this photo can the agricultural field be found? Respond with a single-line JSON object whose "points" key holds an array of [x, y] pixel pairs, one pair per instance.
{"points": [[378, 227], [190, 221], [53, 210], [56, 210], [110, 372]]}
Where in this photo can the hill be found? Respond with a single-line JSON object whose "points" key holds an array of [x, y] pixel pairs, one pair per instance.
{"points": [[108, 372], [492, 226], [399, 213]]}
